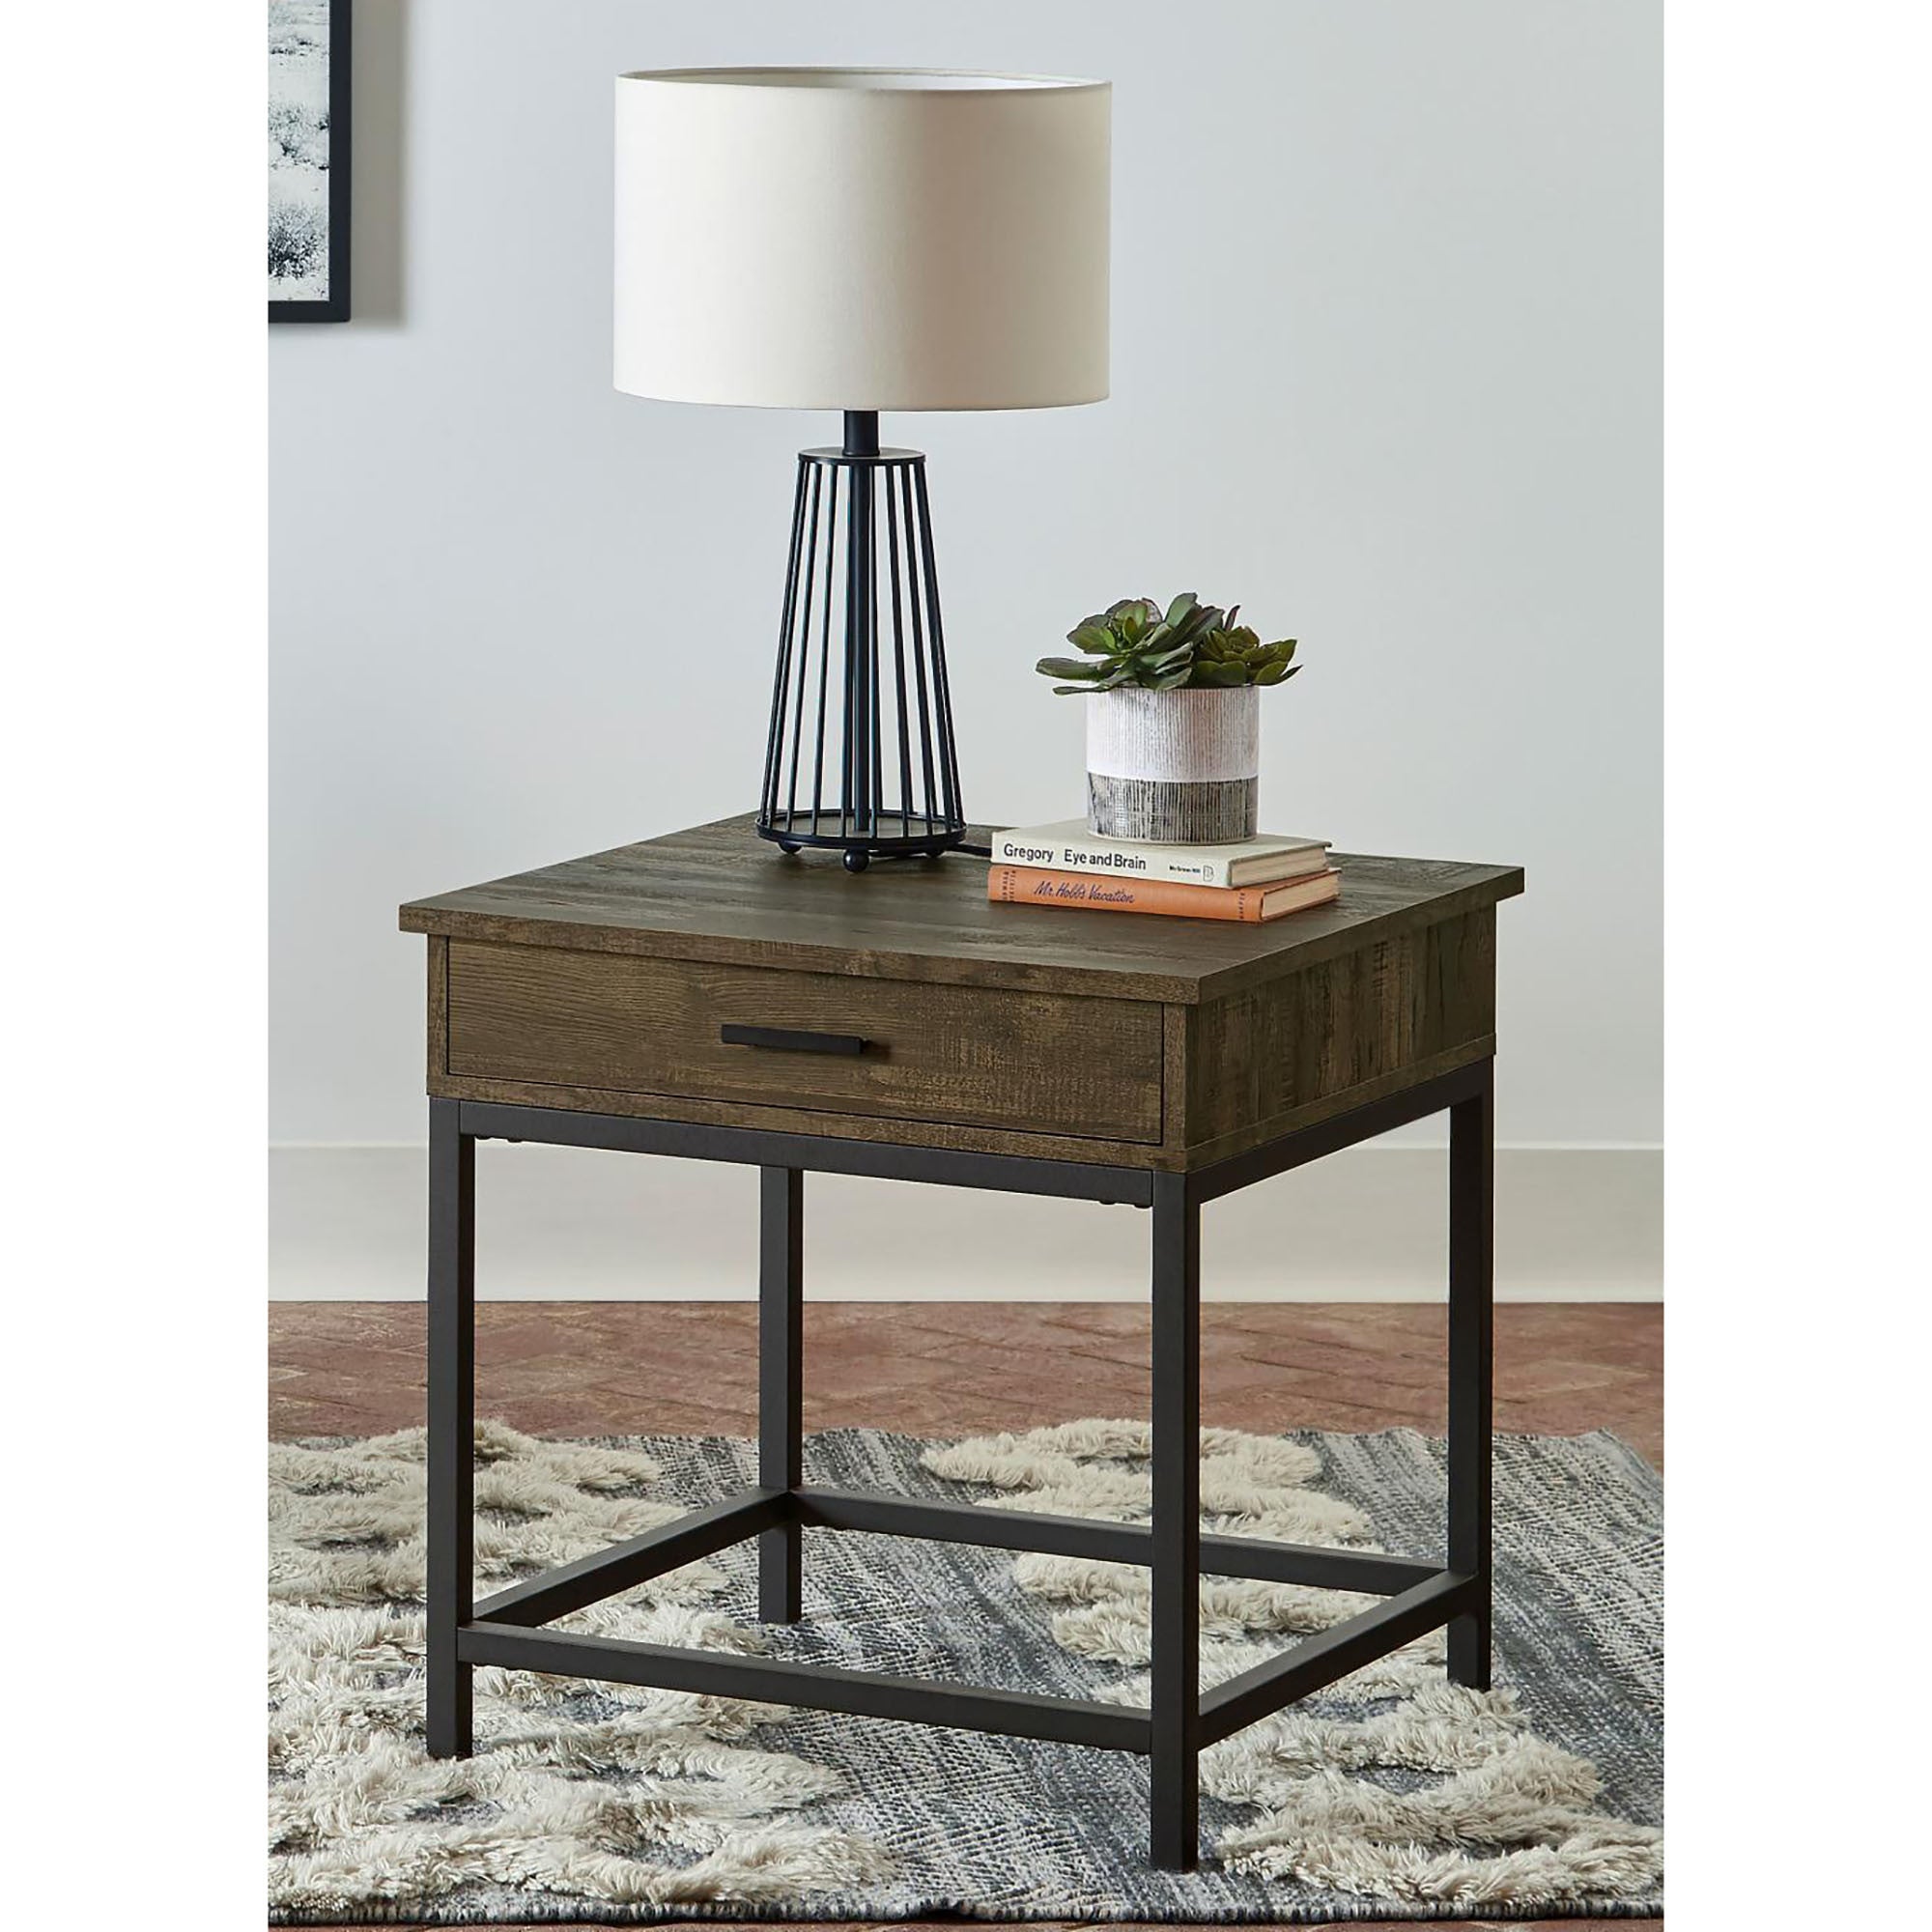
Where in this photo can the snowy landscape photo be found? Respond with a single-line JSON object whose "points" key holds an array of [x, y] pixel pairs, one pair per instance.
{"points": [[307, 201]]}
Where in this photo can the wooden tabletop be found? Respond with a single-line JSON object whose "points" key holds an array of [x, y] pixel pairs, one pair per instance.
{"points": [[718, 892]]}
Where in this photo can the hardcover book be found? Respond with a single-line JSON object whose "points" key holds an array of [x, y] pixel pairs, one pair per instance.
{"points": [[1068, 847], [1028, 885]]}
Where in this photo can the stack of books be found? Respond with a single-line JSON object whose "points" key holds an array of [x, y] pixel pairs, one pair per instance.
{"points": [[1066, 864]]}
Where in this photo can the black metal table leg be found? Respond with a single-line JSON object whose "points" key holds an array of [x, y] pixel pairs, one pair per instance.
{"points": [[452, 1427], [1175, 1698], [506, 1630], [780, 1381], [1471, 1372]]}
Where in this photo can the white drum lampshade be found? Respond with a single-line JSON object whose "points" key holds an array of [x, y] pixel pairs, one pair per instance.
{"points": [[862, 239]]}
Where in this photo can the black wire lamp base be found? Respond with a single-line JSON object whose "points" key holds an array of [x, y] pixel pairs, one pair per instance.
{"points": [[860, 757]]}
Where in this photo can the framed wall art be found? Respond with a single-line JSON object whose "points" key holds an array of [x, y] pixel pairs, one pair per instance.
{"points": [[308, 160]]}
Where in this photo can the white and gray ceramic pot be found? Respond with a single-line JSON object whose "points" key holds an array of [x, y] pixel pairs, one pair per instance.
{"points": [[1181, 767]]}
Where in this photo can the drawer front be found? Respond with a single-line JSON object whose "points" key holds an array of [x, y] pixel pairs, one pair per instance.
{"points": [[1033, 1063]]}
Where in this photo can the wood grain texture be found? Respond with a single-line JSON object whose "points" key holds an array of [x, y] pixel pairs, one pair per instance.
{"points": [[1174, 1076], [1361, 1024], [1172, 1157], [438, 1008], [964, 1055], [717, 893], [801, 1121], [1313, 1113], [601, 985]]}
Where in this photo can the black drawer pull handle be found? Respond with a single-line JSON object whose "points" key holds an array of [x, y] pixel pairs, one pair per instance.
{"points": [[784, 1039]]}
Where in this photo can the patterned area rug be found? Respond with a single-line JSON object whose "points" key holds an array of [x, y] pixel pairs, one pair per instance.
{"points": [[1392, 1795]]}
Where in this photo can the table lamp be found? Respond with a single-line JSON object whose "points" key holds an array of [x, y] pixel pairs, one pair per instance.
{"points": [[861, 239]]}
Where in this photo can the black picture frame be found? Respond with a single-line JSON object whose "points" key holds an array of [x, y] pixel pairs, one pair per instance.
{"points": [[335, 308]]}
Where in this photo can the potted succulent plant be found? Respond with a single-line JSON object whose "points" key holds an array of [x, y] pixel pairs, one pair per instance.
{"points": [[1173, 719]]}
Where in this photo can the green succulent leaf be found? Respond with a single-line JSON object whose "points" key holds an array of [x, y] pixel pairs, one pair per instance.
{"points": [[1221, 674], [1197, 623], [1136, 642]]}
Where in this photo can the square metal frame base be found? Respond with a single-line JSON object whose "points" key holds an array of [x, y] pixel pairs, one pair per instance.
{"points": [[1181, 1719]]}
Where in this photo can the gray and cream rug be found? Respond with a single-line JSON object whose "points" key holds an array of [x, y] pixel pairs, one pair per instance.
{"points": [[1392, 1795]]}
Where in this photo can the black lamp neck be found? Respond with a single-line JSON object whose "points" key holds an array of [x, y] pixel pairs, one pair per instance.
{"points": [[862, 433]]}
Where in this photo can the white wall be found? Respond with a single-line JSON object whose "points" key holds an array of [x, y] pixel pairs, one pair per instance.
{"points": [[1387, 370], [558, 1224]]}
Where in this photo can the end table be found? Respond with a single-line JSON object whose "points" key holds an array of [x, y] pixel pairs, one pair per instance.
{"points": [[698, 995]]}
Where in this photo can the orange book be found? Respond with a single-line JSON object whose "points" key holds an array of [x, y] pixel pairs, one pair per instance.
{"points": [[1028, 885]]}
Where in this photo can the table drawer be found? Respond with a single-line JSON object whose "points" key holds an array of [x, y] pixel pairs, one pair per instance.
{"points": [[1038, 1063]]}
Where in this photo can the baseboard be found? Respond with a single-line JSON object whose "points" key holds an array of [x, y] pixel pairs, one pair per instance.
{"points": [[346, 1223]]}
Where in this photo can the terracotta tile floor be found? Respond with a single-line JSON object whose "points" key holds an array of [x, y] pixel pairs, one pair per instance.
{"points": [[349, 1368], [352, 1367]]}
